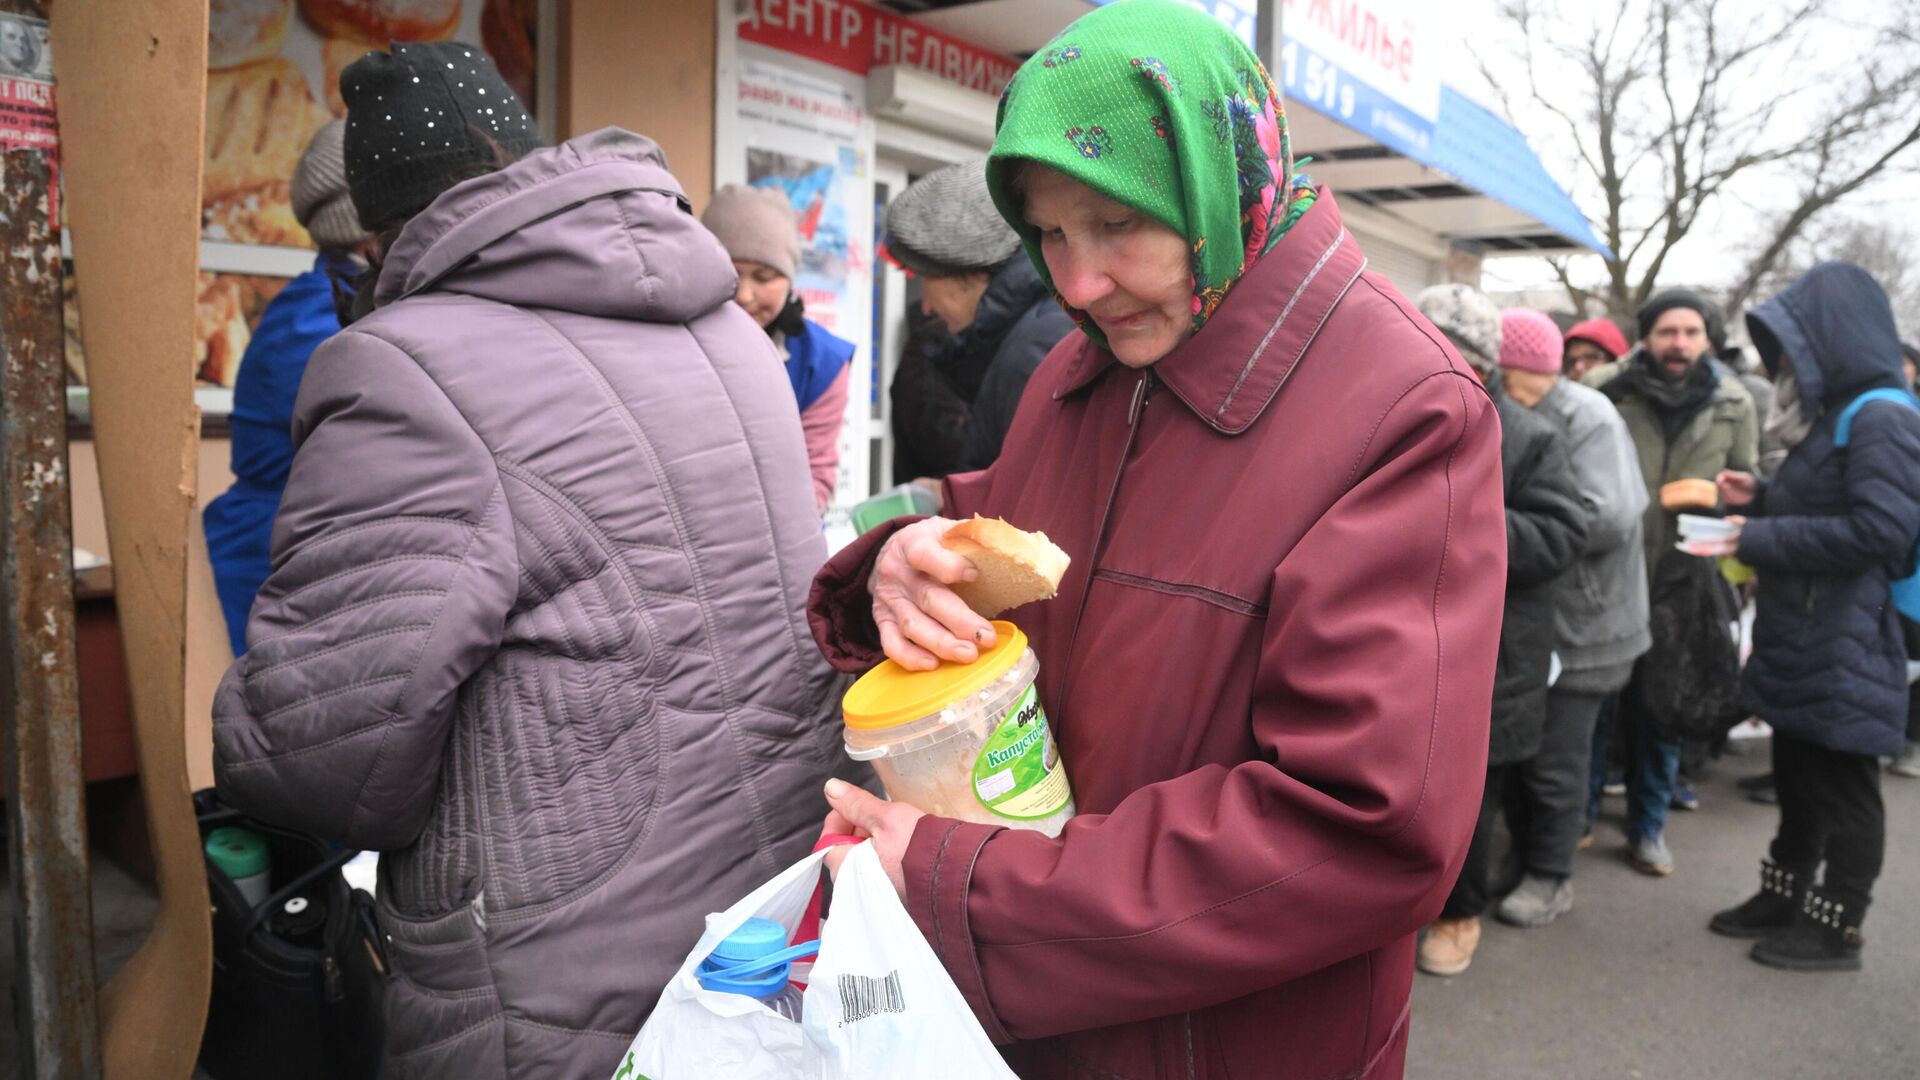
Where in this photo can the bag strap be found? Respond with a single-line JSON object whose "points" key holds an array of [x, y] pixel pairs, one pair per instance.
{"points": [[280, 896], [1843, 431], [765, 963]]}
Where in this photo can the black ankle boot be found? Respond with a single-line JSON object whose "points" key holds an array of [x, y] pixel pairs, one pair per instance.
{"points": [[1768, 911], [1824, 937]]}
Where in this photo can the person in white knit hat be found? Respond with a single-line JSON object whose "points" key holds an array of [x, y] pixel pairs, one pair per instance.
{"points": [[758, 228], [304, 313]]}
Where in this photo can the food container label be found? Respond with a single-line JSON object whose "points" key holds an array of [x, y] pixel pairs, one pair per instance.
{"points": [[1018, 773]]}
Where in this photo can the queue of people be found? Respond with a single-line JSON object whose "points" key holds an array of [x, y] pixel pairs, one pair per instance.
{"points": [[1653, 432], [549, 620]]}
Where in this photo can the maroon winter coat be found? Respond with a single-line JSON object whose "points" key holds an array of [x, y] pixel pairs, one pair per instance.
{"points": [[1269, 670]]}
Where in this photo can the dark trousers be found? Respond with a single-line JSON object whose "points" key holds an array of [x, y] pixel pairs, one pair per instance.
{"points": [[1605, 752], [1474, 890], [1547, 806], [1830, 809], [1653, 763]]}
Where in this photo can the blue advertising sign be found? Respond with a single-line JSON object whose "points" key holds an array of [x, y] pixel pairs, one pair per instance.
{"points": [[1317, 82]]}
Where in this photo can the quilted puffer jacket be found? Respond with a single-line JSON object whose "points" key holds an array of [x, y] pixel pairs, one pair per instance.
{"points": [[1547, 525], [534, 627], [1834, 526]]}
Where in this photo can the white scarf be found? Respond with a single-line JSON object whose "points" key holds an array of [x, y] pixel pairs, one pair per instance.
{"points": [[1789, 424]]}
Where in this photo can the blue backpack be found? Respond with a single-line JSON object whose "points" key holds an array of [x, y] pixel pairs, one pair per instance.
{"points": [[1906, 591]]}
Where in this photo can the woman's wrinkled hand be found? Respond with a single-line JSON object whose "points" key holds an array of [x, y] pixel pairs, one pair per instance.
{"points": [[920, 619], [889, 825], [1736, 488]]}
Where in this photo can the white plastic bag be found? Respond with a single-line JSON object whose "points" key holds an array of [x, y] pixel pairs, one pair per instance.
{"points": [[878, 1003]]}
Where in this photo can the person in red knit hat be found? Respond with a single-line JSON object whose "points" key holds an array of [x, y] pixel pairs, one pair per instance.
{"points": [[1590, 344]]}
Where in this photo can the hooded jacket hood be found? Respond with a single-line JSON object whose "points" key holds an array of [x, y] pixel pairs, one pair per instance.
{"points": [[595, 226], [1836, 324]]}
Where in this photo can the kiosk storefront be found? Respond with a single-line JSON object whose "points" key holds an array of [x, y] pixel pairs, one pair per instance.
{"points": [[842, 103]]}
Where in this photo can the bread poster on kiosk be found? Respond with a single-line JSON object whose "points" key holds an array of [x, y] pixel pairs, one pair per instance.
{"points": [[273, 78]]}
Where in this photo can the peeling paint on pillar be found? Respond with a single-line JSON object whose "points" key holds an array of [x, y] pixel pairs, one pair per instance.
{"points": [[39, 697]]}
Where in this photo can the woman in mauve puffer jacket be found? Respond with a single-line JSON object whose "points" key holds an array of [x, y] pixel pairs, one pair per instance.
{"points": [[534, 629]]}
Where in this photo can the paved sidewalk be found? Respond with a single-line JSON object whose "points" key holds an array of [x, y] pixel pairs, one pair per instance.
{"points": [[1630, 984]]}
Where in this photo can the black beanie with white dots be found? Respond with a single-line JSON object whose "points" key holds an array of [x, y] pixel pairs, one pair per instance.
{"points": [[422, 118]]}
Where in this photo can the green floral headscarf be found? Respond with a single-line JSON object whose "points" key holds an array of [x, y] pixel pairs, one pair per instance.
{"points": [[1161, 108]]}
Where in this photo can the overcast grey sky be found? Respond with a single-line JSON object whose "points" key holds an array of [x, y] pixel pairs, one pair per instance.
{"points": [[1714, 252]]}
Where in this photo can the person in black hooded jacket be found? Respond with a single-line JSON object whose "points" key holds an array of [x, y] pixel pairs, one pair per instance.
{"points": [[1827, 535]]}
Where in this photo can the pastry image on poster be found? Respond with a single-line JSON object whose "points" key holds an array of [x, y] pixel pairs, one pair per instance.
{"points": [[259, 118], [273, 78], [225, 313], [226, 309], [70, 323]]}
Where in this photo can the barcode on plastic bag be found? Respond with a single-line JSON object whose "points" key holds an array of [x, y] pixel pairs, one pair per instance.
{"points": [[862, 996]]}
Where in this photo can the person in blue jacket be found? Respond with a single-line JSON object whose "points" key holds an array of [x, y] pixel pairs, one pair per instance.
{"points": [[306, 312], [1827, 535]]}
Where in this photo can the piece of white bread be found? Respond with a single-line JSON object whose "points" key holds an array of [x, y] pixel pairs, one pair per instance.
{"points": [[1016, 567], [1689, 495]]}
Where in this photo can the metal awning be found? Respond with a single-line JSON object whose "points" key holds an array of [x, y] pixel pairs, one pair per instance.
{"points": [[1465, 175], [1476, 179]]}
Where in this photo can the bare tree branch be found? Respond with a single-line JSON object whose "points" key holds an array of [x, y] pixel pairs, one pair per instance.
{"points": [[1813, 203], [1714, 96], [1580, 297]]}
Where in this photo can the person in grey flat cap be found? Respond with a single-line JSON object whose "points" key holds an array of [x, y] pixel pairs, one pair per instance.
{"points": [[945, 230]]}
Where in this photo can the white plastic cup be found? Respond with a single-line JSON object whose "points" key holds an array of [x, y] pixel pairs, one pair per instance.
{"points": [[1696, 527]]}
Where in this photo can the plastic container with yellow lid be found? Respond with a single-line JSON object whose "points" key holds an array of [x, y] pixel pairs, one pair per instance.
{"points": [[964, 741]]}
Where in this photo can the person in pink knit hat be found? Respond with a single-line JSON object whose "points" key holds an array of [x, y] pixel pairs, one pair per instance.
{"points": [[758, 227], [1599, 619]]}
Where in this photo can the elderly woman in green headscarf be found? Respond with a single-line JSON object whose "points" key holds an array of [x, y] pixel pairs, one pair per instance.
{"points": [[1269, 665]]}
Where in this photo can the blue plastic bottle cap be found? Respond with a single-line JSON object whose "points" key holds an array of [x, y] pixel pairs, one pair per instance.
{"points": [[754, 939]]}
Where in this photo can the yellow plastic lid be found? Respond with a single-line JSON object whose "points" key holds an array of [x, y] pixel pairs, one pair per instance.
{"points": [[890, 695]]}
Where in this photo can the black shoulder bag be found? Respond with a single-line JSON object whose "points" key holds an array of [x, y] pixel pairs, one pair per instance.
{"points": [[299, 980]]}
